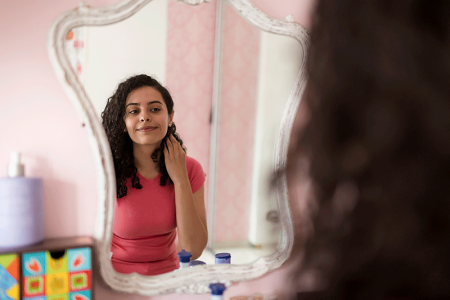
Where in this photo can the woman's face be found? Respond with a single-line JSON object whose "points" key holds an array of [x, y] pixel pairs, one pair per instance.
{"points": [[146, 116]]}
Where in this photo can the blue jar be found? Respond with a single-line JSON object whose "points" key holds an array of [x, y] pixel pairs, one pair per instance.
{"points": [[197, 263], [217, 290], [223, 258]]}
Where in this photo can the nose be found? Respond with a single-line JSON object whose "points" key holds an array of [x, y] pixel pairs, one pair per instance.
{"points": [[144, 117]]}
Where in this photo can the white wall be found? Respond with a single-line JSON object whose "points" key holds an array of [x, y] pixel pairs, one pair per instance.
{"points": [[279, 64], [130, 55]]}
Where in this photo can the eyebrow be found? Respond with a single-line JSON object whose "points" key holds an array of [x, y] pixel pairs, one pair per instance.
{"points": [[148, 103]]}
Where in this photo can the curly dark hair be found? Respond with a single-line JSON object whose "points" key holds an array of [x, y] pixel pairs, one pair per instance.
{"points": [[377, 150], [119, 140]]}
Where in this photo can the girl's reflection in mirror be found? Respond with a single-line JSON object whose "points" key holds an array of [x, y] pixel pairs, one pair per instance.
{"points": [[160, 195]]}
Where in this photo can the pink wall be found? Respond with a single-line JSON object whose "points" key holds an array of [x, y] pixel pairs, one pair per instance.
{"points": [[189, 73], [238, 82], [190, 61], [37, 119]]}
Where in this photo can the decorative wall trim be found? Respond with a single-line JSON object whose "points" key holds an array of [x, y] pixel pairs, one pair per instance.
{"points": [[191, 280]]}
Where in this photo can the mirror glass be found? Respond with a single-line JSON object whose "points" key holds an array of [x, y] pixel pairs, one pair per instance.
{"points": [[175, 43]]}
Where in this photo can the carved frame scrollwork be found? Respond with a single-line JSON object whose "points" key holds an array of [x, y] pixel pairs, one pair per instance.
{"points": [[192, 280]]}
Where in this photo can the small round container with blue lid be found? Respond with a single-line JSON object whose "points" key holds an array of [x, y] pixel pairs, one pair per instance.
{"points": [[197, 263], [223, 258], [217, 290]]}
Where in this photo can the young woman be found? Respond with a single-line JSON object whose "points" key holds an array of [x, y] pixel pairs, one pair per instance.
{"points": [[377, 145], [160, 194]]}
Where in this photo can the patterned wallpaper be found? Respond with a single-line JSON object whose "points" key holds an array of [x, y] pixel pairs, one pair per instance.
{"points": [[189, 77], [239, 79]]}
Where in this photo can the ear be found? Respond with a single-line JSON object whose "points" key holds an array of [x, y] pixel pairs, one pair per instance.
{"points": [[171, 117]]}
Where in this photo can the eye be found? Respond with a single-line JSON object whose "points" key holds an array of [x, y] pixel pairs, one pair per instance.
{"points": [[155, 109], [133, 111]]}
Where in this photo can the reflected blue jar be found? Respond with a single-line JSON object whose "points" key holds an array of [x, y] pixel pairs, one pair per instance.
{"points": [[197, 263], [223, 258]]}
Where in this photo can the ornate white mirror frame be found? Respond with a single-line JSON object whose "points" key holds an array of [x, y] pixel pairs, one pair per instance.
{"points": [[192, 280]]}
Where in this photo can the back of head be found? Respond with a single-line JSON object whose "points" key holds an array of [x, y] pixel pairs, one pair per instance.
{"points": [[378, 148]]}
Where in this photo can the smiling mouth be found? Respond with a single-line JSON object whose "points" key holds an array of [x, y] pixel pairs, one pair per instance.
{"points": [[146, 129]]}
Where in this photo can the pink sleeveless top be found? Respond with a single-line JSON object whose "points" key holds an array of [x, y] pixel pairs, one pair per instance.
{"points": [[144, 228]]}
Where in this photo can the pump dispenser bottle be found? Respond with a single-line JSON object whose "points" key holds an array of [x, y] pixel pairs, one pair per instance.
{"points": [[15, 168], [21, 207]]}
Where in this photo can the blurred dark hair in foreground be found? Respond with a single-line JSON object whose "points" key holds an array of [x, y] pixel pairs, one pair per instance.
{"points": [[377, 147]]}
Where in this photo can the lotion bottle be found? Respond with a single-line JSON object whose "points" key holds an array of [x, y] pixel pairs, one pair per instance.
{"points": [[184, 257]]}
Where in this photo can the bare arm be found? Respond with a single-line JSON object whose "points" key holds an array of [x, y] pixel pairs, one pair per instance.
{"points": [[191, 219], [190, 207]]}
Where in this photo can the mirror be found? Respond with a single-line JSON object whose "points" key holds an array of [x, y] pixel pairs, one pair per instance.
{"points": [[244, 76], [255, 67]]}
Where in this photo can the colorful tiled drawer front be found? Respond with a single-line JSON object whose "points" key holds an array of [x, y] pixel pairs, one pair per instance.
{"points": [[9, 276], [57, 275], [82, 295]]}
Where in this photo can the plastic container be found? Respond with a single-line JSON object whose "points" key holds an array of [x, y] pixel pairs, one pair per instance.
{"points": [[217, 290], [196, 263], [223, 258], [184, 257], [21, 207]]}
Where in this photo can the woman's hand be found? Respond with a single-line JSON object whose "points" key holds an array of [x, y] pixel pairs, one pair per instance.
{"points": [[190, 208], [175, 159]]}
